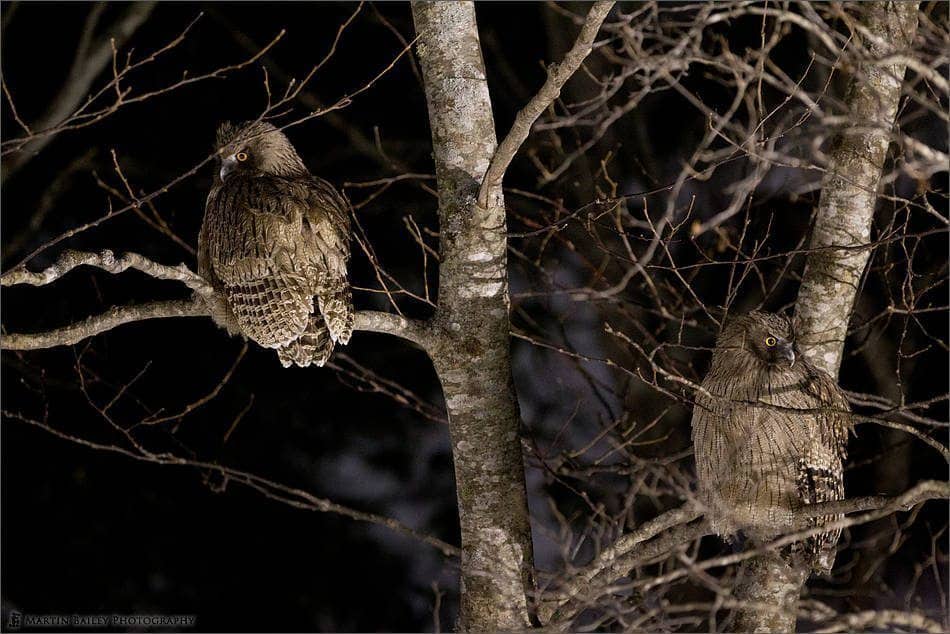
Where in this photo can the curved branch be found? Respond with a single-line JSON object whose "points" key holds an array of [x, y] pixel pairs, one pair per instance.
{"points": [[927, 490], [677, 527], [558, 74], [88, 64], [91, 326], [107, 261], [294, 497], [612, 558], [370, 321], [391, 324], [627, 552]]}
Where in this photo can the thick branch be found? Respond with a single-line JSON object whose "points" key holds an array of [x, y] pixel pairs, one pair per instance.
{"points": [[392, 324], [558, 74], [880, 621], [926, 490], [370, 321], [923, 492], [834, 268]]}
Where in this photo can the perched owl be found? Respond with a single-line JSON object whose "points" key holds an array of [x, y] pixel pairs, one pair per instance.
{"points": [[770, 436], [275, 244]]}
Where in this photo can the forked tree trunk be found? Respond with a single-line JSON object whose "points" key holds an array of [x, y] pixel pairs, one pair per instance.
{"points": [[834, 268], [469, 342]]}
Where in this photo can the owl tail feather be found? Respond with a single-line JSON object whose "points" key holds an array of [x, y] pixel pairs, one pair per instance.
{"points": [[313, 346], [336, 305]]}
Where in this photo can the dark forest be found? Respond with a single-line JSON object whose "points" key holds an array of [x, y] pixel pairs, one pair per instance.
{"points": [[687, 171]]}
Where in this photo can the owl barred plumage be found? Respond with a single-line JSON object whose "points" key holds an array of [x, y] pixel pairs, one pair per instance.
{"points": [[770, 436], [275, 238]]}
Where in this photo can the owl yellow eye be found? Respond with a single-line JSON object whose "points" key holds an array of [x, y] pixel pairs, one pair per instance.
{"points": [[241, 156], [770, 341]]}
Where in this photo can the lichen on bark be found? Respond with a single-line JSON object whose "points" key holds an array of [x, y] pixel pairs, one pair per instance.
{"points": [[469, 342], [849, 192], [839, 252], [768, 587]]}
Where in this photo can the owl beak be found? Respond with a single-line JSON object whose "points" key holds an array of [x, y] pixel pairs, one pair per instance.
{"points": [[788, 352], [228, 164]]}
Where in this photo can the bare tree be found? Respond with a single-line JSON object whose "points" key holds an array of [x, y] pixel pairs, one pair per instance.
{"points": [[467, 338], [599, 291], [838, 256]]}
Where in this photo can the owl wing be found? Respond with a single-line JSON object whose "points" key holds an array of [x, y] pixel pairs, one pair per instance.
{"points": [[254, 247], [834, 420], [326, 227], [204, 264], [821, 472], [217, 303], [714, 429]]}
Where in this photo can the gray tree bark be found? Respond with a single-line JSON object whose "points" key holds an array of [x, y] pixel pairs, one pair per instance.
{"points": [[836, 263], [769, 587], [469, 342], [835, 267]]}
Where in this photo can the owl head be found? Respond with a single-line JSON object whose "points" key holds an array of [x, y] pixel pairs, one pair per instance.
{"points": [[255, 148], [765, 338]]}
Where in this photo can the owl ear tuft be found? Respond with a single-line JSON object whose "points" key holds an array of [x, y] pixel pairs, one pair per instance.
{"points": [[225, 133]]}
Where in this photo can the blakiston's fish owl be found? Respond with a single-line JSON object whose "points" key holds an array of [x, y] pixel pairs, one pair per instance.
{"points": [[770, 436], [275, 244]]}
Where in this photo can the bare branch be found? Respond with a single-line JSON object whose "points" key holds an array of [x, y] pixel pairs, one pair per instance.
{"points": [[88, 65], [291, 496], [114, 317], [370, 321], [927, 490], [923, 492], [558, 75], [676, 527], [392, 324], [880, 621], [106, 261], [615, 561]]}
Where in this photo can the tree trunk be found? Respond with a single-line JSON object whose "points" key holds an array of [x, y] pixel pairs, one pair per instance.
{"points": [[849, 192], [469, 344], [770, 587], [834, 267]]}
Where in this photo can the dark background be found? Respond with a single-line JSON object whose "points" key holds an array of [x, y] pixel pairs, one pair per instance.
{"points": [[86, 531]]}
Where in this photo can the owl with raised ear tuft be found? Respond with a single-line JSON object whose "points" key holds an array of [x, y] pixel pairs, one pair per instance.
{"points": [[770, 436], [275, 243]]}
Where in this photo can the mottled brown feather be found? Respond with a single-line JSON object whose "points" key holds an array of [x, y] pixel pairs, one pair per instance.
{"points": [[273, 238], [768, 438]]}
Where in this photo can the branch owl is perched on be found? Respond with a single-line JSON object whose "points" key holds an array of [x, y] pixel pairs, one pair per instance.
{"points": [[274, 239], [770, 437]]}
